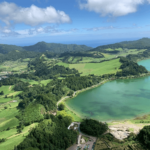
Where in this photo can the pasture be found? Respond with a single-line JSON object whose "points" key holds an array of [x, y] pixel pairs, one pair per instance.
{"points": [[13, 138], [105, 67]]}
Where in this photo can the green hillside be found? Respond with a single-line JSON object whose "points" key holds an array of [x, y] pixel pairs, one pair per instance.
{"points": [[4, 48], [117, 47], [56, 48]]}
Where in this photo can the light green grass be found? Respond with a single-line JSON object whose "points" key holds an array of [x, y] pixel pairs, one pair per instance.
{"points": [[63, 64], [106, 67], [13, 138], [14, 93], [14, 65], [110, 49], [8, 133], [98, 68], [32, 82], [5, 100], [7, 89], [118, 49], [73, 115], [8, 119], [26, 59], [45, 82]]}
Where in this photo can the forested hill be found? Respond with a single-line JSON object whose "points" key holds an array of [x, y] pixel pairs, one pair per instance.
{"points": [[56, 48], [138, 44], [4, 48]]}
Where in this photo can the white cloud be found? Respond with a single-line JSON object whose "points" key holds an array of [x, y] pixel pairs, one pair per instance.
{"points": [[10, 12], [112, 7]]}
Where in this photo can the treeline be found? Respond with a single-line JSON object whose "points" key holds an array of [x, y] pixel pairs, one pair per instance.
{"points": [[130, 68], [50, 134], [78, 83], [9, 81]]}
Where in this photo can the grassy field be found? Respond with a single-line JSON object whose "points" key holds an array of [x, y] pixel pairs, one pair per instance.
{"points": [[71, 113], [96, 68], [13, 138], [8, 119], [17, 66], [32, 82], [6, 89]]}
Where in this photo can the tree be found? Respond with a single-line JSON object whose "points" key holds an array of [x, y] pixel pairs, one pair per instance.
{"points": [[93, 127], [1, 93], [144, 136], [61, 106]]}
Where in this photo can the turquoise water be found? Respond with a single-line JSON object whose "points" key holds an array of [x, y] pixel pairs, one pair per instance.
{"points": [[115, 100]]}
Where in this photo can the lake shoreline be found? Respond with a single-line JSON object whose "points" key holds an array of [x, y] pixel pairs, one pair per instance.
{"points": [[76, 93]]}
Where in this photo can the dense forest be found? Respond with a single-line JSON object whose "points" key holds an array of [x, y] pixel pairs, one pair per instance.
{"points": [[144, 136], [15, 55], [130, 68], [51, 134], [42, 70]]}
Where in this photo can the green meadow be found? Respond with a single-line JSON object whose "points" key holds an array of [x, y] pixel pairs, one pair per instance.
{"points": [[32, 82], [13, 138], [105, 67]]}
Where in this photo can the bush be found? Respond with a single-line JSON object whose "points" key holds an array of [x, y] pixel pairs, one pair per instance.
{"points": [[144, 136], [61, 106], [93, 127]]}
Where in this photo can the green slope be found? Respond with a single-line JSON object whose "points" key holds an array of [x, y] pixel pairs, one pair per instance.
{"points": [[54, 47]]}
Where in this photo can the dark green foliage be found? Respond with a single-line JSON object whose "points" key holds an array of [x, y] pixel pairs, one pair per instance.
{"points": [[50, 134], [15, 55], [21, 86], [47, 96], [144, 136], [78, 83], [61, 106], [70, 93], [4, 48], [9, 81], [1, 93], [45, 72], [93, 127], [144, 55], [2, 140], [56, 48], [130, 68], [47, 101]]}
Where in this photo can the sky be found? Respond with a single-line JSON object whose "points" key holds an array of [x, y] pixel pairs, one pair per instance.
{"points": [[89, 22]]}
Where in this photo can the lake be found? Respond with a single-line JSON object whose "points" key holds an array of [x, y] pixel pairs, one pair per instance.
{"points": [[115, 100]]}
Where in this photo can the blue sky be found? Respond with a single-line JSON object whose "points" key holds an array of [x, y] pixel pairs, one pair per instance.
{"points": [[90, 22]]}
